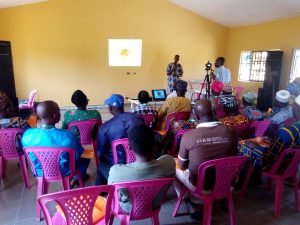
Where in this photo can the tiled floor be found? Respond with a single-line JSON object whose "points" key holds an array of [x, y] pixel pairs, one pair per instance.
{"points": [[17, 205]]}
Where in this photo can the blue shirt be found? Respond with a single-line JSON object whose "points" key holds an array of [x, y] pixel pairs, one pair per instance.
{"points": [[280, 115], [113, 129], [223, 74], [52, 138]]}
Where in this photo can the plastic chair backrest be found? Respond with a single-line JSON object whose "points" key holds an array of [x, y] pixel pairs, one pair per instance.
{"points": [[176, 141], [237, 92], [85, 128], [31, 98], [149, 118], [289, 121], [142, 194], [8, 138], [293, 164], [48, 157], [130, 156], [226, 168], [260, 127], [77, 205], [176, 116]]}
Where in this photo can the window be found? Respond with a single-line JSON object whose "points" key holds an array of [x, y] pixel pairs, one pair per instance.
{"points": [[295, 67], [253, 66]]}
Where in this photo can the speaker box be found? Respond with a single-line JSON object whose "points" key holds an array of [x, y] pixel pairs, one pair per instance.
{"points": [[7, 81], [266, 94]]}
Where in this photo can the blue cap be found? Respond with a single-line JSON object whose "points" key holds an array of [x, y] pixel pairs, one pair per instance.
{"points": [[115, 100]]}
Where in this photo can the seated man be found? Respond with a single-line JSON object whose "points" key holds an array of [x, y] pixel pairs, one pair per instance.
{"points": [[173, 94], [81, 113], [113, 129], [143, 107], [49, 136], [210, 140], [281, 111], [294, 88], [250, 111], [263, 154], [146, 167], [176, 104]]}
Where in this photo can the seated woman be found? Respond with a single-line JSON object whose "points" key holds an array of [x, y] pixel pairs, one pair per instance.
{"points": [[234, 118], [176, 104], [7, 121], [232, 115], [6, 112], [250, 111], [81, 113]]}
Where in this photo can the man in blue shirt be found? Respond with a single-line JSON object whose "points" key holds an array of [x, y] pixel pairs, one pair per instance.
{"points": [[113, 129], [49, 136]]}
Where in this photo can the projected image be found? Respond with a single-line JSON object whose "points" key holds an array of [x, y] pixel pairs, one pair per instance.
{"points": [[125, 52]]}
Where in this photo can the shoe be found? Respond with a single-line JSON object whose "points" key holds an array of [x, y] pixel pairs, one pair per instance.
{"points": [[73, 183], [85, 177], [192, 209]]}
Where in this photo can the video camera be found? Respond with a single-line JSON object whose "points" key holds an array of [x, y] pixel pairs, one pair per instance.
{"points": [[208, 66]]}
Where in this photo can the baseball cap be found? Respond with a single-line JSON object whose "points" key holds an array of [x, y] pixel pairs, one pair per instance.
{"points": [[115, 100], [217, 86], [283, 96]]}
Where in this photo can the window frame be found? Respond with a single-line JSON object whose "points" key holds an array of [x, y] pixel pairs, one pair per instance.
{"points": [[293, 64], [249, 80]]}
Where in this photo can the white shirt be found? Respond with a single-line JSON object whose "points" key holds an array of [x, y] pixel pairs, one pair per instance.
{"points": [[174, 94], [223, 74]]}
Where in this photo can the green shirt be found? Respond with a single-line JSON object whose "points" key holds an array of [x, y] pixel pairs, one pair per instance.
{"points": [[163, 167], [79, 115]]}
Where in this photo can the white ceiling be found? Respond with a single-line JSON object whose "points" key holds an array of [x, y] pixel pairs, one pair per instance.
{"points": [[236, 13], [11, 3]]}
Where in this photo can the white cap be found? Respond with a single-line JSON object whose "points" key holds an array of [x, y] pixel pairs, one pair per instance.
{"points": [[297, 100], [283, 96]]}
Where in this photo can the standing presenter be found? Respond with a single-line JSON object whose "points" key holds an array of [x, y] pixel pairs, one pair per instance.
{"points": [[174, 72]]}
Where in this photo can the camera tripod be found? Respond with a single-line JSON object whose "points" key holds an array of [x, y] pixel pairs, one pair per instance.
{"points": [[206, 82]]}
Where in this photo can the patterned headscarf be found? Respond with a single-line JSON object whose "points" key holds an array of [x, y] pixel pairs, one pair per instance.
{"points": [[4, 101]]}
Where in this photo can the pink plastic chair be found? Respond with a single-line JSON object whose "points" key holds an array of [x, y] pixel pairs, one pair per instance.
{"points": [[86, 129], [176, 116], [149, 118], [130, 156], [237, 92], [142, 195], [227, 169], [49, 160], [174, 150], [8, 138], [260, 127], [290, 172], [289, 121], [30, 103], [77, 205]]}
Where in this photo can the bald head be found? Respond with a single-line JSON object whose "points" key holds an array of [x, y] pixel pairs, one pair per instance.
{"points": [[203, 110], [49, 113]]}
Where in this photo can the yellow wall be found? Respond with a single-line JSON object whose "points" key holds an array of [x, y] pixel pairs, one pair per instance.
{"points": [[282, 34], [61, 45]]}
